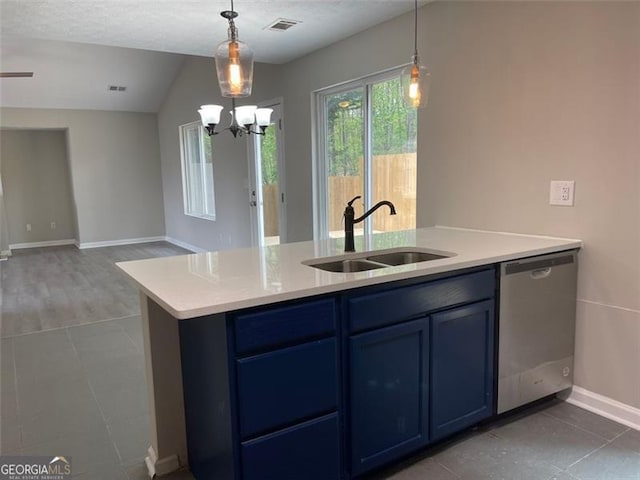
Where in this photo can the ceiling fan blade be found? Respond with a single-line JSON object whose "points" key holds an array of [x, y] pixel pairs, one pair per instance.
{"points": [[16, 74]]}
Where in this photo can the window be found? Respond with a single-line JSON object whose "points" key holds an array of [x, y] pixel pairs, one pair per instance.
{"points": [[197, 171], [366, 140]]}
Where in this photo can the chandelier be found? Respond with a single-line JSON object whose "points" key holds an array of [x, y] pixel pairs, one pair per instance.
{"points": [[234, 67]]}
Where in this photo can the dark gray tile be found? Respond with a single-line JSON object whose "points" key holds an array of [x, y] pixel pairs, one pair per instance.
{"points": [[545, 439], [133, 327], [9, 407], [629, 441], [608, 463], [78, 416], [132, 438], [422, 470], [117, 371], [87, 450], [68, 390], [106, 471], [80, 332], [586, 420], [43, 356], [488, 457], [137, 472], [10, 438], [111, 342], [123, 403], [6, 358], [562, 476]]}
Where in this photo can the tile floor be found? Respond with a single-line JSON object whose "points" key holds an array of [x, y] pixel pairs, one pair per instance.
{"points": [[80, 391]]}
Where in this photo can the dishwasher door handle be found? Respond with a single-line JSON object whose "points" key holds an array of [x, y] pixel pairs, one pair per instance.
{"points": [[540, 273]]}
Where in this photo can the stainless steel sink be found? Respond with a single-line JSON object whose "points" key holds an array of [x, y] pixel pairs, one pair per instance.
{"points": [[364, 261], [403, 258], [348, 266]]}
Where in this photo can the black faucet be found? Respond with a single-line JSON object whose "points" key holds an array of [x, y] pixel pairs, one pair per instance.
{"points": [[350, 220]]}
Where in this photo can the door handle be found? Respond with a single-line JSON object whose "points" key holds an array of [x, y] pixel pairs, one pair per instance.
{"points": [[540, 273]]}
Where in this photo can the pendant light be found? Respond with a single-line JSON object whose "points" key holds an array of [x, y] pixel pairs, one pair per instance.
{"points": [[234, 66], [415, 77], [234, 61]]}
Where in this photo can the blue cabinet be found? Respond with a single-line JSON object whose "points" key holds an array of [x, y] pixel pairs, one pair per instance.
{"points": [[462, 372], [422, 369], [261, 393], [388, 372], [334, 386]]}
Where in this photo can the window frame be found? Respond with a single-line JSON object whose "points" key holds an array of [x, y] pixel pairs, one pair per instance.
{"points": [[184, 158], [319, 127]]}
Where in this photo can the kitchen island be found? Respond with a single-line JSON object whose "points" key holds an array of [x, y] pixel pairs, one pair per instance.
{"points": [[252, 352]]}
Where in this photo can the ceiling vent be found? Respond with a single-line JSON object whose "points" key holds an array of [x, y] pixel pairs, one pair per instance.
{"points": [[282, 24], [16, 74], [116, 88]]}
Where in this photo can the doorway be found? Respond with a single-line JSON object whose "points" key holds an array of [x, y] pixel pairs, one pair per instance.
{"points": [[266, 181]]}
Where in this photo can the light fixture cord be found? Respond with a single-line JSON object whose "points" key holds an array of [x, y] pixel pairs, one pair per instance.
{"points": [[415, 32]]}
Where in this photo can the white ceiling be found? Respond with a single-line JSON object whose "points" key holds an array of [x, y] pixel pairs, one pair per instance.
{"points": [[68, 44]]}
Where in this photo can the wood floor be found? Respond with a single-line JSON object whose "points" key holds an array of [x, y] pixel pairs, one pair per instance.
{"points": [[54, 287]]}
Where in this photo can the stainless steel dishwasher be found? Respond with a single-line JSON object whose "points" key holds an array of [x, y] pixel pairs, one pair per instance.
{"points": [[537, 327]]}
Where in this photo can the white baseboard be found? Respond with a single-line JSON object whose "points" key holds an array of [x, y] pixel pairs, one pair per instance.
{"points": [[124, 241], [185, 245], [605, 407], [160, 466], [5, 253], [49, 243]]}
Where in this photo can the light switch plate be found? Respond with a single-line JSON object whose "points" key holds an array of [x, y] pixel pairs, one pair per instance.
{"points": [[561, 192]]}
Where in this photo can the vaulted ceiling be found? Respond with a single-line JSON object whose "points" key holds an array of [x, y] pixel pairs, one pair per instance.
{"points": [[78, 48]]}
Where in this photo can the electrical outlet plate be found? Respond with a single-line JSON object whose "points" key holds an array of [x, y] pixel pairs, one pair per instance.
{"points": [[561, 192]]}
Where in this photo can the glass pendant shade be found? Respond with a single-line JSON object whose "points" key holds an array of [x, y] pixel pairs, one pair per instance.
{"points": [[234, 65], [263, 116], [415, 85], [210, 114]]}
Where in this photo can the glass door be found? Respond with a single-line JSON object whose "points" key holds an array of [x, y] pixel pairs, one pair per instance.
{"points": [[367, 147], [266, 185]]}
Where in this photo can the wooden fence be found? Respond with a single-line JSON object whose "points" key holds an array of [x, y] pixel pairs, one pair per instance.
{"points": [[394, 179]]}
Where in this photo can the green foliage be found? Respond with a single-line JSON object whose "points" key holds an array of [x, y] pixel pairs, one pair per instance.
{"points": [[394, 126], [269, 154]]}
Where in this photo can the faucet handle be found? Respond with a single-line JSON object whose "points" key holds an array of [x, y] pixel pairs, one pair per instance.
{"points": [[353, 200]]}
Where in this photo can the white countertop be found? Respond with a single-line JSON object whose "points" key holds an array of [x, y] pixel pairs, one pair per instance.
{"points": [[190, 286]]}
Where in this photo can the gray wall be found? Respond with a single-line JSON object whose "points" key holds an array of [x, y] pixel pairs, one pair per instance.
{"points": [[197, 85], [525, 93], [115, 171], [380, 48], [35, 173], [522, 93]]}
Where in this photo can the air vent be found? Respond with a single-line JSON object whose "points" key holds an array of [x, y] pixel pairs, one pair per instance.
{"points": [[16, 74], [117, 88], [282, 24]]}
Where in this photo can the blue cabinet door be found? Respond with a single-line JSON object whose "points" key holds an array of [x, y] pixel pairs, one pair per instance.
{"points": [[389, 373], [462, 371], [306, 451]]}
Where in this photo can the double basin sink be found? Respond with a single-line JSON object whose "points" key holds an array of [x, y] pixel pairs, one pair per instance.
{"points": [[361, 262]]}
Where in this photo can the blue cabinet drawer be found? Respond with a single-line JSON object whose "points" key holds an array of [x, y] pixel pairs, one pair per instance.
{"points": [[308, 451], [279, 388], [280, 326], [391, 306]]}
